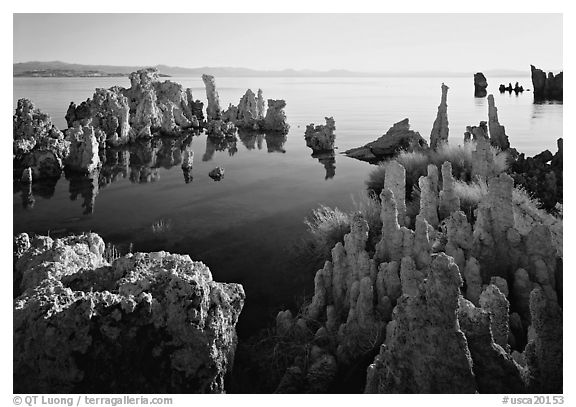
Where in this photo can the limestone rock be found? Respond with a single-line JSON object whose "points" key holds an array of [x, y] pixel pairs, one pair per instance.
{"points": [[321, 138], [482, 160], [544, 351], [83, 155], [493, 301], [275, 120], [449, 202], [439, 134], [429, 195], [473, 279], [398, 137], [158, 317], [26, 176], [476, 132], [498, 135], [213, 110], [425, 351], [547, 87], [221, 129], [480, 85], [494, 369]]}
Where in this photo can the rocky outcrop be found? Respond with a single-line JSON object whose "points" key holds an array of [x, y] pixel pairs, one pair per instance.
{"points": [[480, 85], [476, 132], [449, 201], [547, 87], [275, 119], [213, 110], [321, 138], [425, 351], [498, 137], [517, 88], [83, 155], [398, 137], [149, 106], [158, 318], [482, 157], [439, 134], [37, 143]]}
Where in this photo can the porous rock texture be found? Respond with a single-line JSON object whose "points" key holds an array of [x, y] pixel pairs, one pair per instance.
{"points": [[480, 85], [398, 137], [547, 87], [37, 143], [498, 137], [452, 305], [321, 138], [149, 106], [213, 110], [439, 134], [83, 155], [250, 112], [153, 322], [275, 119]]}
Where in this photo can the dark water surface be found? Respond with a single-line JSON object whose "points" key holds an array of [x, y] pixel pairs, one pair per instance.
{"points": [[243, 226]]}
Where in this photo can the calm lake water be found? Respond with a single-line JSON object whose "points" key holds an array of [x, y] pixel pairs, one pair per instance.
{"points": [[243, 226]]}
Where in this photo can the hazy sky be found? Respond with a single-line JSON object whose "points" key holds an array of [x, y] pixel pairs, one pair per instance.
{"points": [[360, 42]]}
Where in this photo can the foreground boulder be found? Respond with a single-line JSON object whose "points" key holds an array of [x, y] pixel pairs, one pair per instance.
{"points": [[321, 138], [547, 87], [398, 137], [148, 322]]}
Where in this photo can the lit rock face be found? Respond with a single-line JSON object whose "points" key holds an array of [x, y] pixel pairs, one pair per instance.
{"points": [[476, 132], [37, 143], [249, 113], [321, 138], [398, 137], [158, 318], [439, 134], [547, 87], [395, 181], [449, 202], [480, 85], [425, 351], [121, 115], [83, 155], [213, 110], [109, 113], [429, 195], [498, 135], [275, 119], [482, 157]]}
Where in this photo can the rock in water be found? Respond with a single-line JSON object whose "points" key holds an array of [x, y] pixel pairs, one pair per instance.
{"points": [[547, 87], [158, 318], [398, 137], [26, 177], [217, 173], [439, 134], [275, 120], [321, 138], [83, 155], [480, 85], [213, 110]]}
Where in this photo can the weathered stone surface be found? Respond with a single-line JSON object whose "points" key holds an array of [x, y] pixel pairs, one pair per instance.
{"points": [[544, 351], [83, 155], [480, 85], [321, 138], [275, 119], [213, 110], [159, 318], [494, 369], [395, 181], [498, 135], [476, 132], [547, 87], [493, 301], [449, 202], [429, 195], [221, 129], [398, 137], [425, 351], [439, 134]]}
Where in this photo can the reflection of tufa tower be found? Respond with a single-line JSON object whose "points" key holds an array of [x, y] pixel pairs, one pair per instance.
{"points": [[87, 187]]}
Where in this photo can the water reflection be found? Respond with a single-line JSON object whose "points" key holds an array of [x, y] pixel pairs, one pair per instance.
{"points": [[140, 163]]}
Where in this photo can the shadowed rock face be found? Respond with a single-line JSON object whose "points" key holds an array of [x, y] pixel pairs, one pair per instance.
{"points": [[275, 120], [480, 85], [398, 137], [158, 319], [547, 87], [498, 135]]}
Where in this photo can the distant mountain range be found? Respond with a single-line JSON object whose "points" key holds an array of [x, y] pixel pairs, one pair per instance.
{"points": [[63, 69]]}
